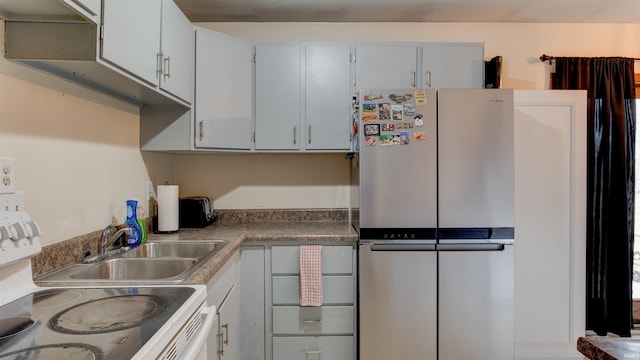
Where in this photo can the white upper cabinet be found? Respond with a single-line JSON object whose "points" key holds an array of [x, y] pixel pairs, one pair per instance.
{"points": [[132, 36], [386, 66], [303, 97], [223, 105], [452, 65], [177, 48], [327, 97], [90, 9], [278, 96]]}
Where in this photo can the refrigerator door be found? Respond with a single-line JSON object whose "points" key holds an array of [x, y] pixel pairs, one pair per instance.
{"points": [[475, 158], [398, 302], [397, 181], [476, 292]]}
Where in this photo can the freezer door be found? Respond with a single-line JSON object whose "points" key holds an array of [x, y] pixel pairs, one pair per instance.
{"points": [[476, 292], [475, 158], [398, 183], [398, 302]]}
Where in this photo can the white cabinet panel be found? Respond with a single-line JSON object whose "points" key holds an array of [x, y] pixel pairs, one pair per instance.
{"points": [[452, 65], [312, 348], [550, 205], [278, 97], [336, 290], [177, 48], [132, 36], [328, 94], [386, 66], [223, 100], [295, 320], [335, 260], [89, 8]]}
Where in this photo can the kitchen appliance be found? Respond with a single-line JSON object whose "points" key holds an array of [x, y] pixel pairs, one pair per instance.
{"points": [[196, 212], [435, 185], [149, 322]]}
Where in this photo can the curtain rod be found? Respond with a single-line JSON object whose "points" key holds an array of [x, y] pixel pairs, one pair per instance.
{"points": [[545, 57]]}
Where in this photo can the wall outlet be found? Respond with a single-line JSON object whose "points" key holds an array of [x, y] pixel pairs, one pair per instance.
{"points": [[19, 201], [151, 194], [7, 179]]}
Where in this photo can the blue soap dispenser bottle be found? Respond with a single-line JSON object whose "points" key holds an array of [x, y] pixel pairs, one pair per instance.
{"points": [[135, 235]]}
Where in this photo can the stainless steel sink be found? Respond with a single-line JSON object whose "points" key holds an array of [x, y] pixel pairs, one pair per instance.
{"points": [[136, 269], [181, 249], [155, 262]]}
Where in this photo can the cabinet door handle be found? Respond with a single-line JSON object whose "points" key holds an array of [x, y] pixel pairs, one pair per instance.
{"points": [[220, 344], [167, 64], [428, 78], [313, 352], [226, 334], [413, 79], [201, 125], [309, 134], [295, 137], [159, 63]]}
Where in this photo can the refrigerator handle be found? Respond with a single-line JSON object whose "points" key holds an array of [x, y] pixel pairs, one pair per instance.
{"points": [[471, 247], [403, 247]]}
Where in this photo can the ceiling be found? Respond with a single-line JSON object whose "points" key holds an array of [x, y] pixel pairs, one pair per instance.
{"points": [[532, 11]]}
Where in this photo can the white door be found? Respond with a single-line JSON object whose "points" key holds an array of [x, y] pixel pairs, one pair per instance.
{"points": [[177, 49], [386, 66], [229, 322], [223, 105], [328, 97], [453, 66], [550, 223], [132, 36], [278, 96]]}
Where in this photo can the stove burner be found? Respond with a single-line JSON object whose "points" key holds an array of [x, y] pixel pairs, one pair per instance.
{"points": [[57, 352], [51, 298], [108, 314], [14, 325]]}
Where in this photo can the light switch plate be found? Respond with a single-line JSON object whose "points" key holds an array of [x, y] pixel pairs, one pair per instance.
{"points": [[7, 179]]}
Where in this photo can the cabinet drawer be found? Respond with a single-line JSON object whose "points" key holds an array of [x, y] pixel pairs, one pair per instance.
{"points": [[313, 348], [296, 320], [335, 260], [336, 290]]}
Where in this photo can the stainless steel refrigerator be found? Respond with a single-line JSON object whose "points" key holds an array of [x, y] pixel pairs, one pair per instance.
{"points": [[434, 181]]}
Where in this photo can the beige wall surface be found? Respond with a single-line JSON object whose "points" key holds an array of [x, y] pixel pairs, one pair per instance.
{"points": [[77, 152]]}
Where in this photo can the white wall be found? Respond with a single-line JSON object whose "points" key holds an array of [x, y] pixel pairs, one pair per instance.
{"points": [[77, 156]]}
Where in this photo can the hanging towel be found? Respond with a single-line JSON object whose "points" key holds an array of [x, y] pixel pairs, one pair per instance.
{"points": [[310, 275]]}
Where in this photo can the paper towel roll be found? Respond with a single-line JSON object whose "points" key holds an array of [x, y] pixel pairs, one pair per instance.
{"points": [[168, 208]]}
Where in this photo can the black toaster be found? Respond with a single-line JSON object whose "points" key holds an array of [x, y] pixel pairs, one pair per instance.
{"points": [[196, 212]]}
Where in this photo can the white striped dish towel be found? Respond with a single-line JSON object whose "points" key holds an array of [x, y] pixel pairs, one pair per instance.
{"points": [[310, 275]]}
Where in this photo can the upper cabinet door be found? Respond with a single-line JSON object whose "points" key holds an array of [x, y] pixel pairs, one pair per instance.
{"points": [[328, 97], [88, 8], [223, 106], [452, 65], [386, 66], [177, 36], [132, 36], [278, 100]]}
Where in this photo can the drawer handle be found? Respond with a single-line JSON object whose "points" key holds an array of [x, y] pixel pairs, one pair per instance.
{"points": [[312, 352], [309, 321]]}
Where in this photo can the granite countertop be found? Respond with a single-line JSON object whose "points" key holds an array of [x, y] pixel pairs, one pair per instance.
{"points": [[238, 233], [609, 348], [236, 227]]}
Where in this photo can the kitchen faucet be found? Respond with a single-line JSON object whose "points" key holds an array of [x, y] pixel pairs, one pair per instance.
{"points": [[107, 240]]}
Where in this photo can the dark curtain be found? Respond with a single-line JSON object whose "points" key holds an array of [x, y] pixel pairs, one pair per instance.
{"points": [[610, 186]]}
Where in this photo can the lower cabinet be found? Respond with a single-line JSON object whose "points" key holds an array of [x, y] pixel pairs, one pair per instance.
{"points": [[222, 291], [273, 324]]}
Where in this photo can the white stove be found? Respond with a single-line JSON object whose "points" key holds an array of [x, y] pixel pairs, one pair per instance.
{"points": [[99, 323]]}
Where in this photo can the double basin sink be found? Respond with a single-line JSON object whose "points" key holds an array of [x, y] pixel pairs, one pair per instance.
{"points": [[163, 261]]}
